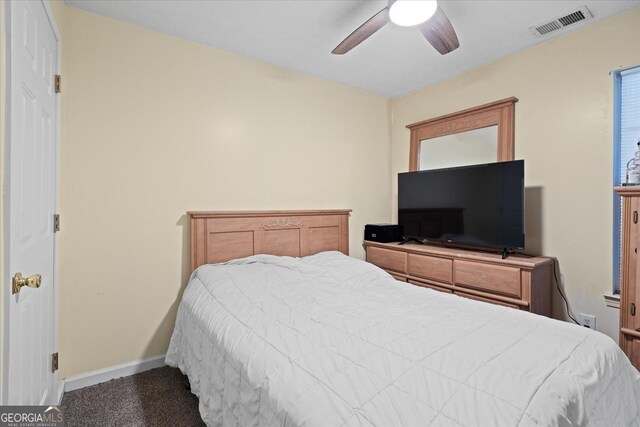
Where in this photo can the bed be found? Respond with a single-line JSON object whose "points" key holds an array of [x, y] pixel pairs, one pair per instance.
{"points": [[312, 337]]}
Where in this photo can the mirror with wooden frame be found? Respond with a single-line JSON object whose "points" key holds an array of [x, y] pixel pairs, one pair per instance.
{"points": [[477, 135]]}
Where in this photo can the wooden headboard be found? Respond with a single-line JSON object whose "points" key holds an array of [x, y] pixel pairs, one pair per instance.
{"points": [[222, 236]]}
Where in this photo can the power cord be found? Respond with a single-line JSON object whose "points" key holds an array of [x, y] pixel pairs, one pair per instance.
{"points": [[555, 276]]}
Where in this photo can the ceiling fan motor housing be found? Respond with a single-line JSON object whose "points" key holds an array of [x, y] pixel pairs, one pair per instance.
{"points": [[408, 13]]}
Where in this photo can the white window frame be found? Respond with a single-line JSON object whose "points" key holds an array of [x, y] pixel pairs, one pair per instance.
{"points": [[619, 176]]}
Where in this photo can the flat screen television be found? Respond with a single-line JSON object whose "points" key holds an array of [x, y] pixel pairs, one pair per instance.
{"points": [[479, 205]]}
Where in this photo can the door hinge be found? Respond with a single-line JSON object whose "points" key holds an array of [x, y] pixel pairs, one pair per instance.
{"points": [[56, 223], [58, 83], [54, 362], [633, 309]]}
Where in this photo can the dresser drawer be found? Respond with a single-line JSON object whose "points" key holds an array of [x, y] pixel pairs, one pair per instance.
{"points": [[520, 282], [491, 278], [429, 267], [635, 352], [388, 259], [489, 300], [426, 285], [395, 276]]}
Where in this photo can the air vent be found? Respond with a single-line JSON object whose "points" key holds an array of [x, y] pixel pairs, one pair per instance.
{"points": [[548, 27], [582, 14]]}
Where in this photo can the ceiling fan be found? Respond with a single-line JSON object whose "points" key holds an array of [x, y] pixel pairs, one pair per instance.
{"points": [[427, 15]]}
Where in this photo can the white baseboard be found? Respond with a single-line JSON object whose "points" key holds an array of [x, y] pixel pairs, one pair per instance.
{"points": [[113, 372]]}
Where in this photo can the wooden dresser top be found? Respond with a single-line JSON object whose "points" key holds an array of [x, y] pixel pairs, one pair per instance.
{"points": [[628, 190], [516, 260]]}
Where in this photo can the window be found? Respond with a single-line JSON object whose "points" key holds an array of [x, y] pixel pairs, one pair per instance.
{"points": [[626, 134]]}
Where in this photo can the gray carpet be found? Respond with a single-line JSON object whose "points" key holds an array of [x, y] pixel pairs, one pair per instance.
{"points": [[159, 397]]}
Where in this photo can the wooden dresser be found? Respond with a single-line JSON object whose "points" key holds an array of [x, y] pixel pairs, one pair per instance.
{"points": [[519, 281], [630, 274]]}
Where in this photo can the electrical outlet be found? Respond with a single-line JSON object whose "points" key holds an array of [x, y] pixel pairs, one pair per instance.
{"points": [[588, 321]]}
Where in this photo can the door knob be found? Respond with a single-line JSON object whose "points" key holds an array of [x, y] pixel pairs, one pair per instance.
{"points": [[19, 281]]}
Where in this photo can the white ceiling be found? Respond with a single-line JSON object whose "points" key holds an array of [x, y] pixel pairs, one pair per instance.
{"points": [[299, 35]]}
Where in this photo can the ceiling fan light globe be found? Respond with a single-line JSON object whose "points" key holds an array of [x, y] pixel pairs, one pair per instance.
{"points": [[407, 13]]}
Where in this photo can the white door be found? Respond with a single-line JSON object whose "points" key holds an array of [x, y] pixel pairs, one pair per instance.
{"points": [[31, 181]]}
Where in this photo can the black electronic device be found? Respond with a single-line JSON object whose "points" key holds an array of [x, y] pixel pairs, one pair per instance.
{"points": [[383, 233], [479, 205]]}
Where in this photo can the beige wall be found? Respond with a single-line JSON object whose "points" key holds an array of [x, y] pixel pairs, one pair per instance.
{"points": [[154, 126], [564, 133]]}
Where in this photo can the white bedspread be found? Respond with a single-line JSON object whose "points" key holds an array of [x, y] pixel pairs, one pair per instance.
{"points": [[328, 340]]}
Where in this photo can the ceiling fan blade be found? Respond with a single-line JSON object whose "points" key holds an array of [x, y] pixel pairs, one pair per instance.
{"points": [[440, 33], [363, 32]]}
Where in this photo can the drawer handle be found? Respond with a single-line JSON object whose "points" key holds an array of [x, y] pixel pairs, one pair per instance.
{"points": [[633, 309], [635, 217]]}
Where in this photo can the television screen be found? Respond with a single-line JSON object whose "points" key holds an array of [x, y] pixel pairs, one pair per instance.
{"points": [[481, 205]]}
